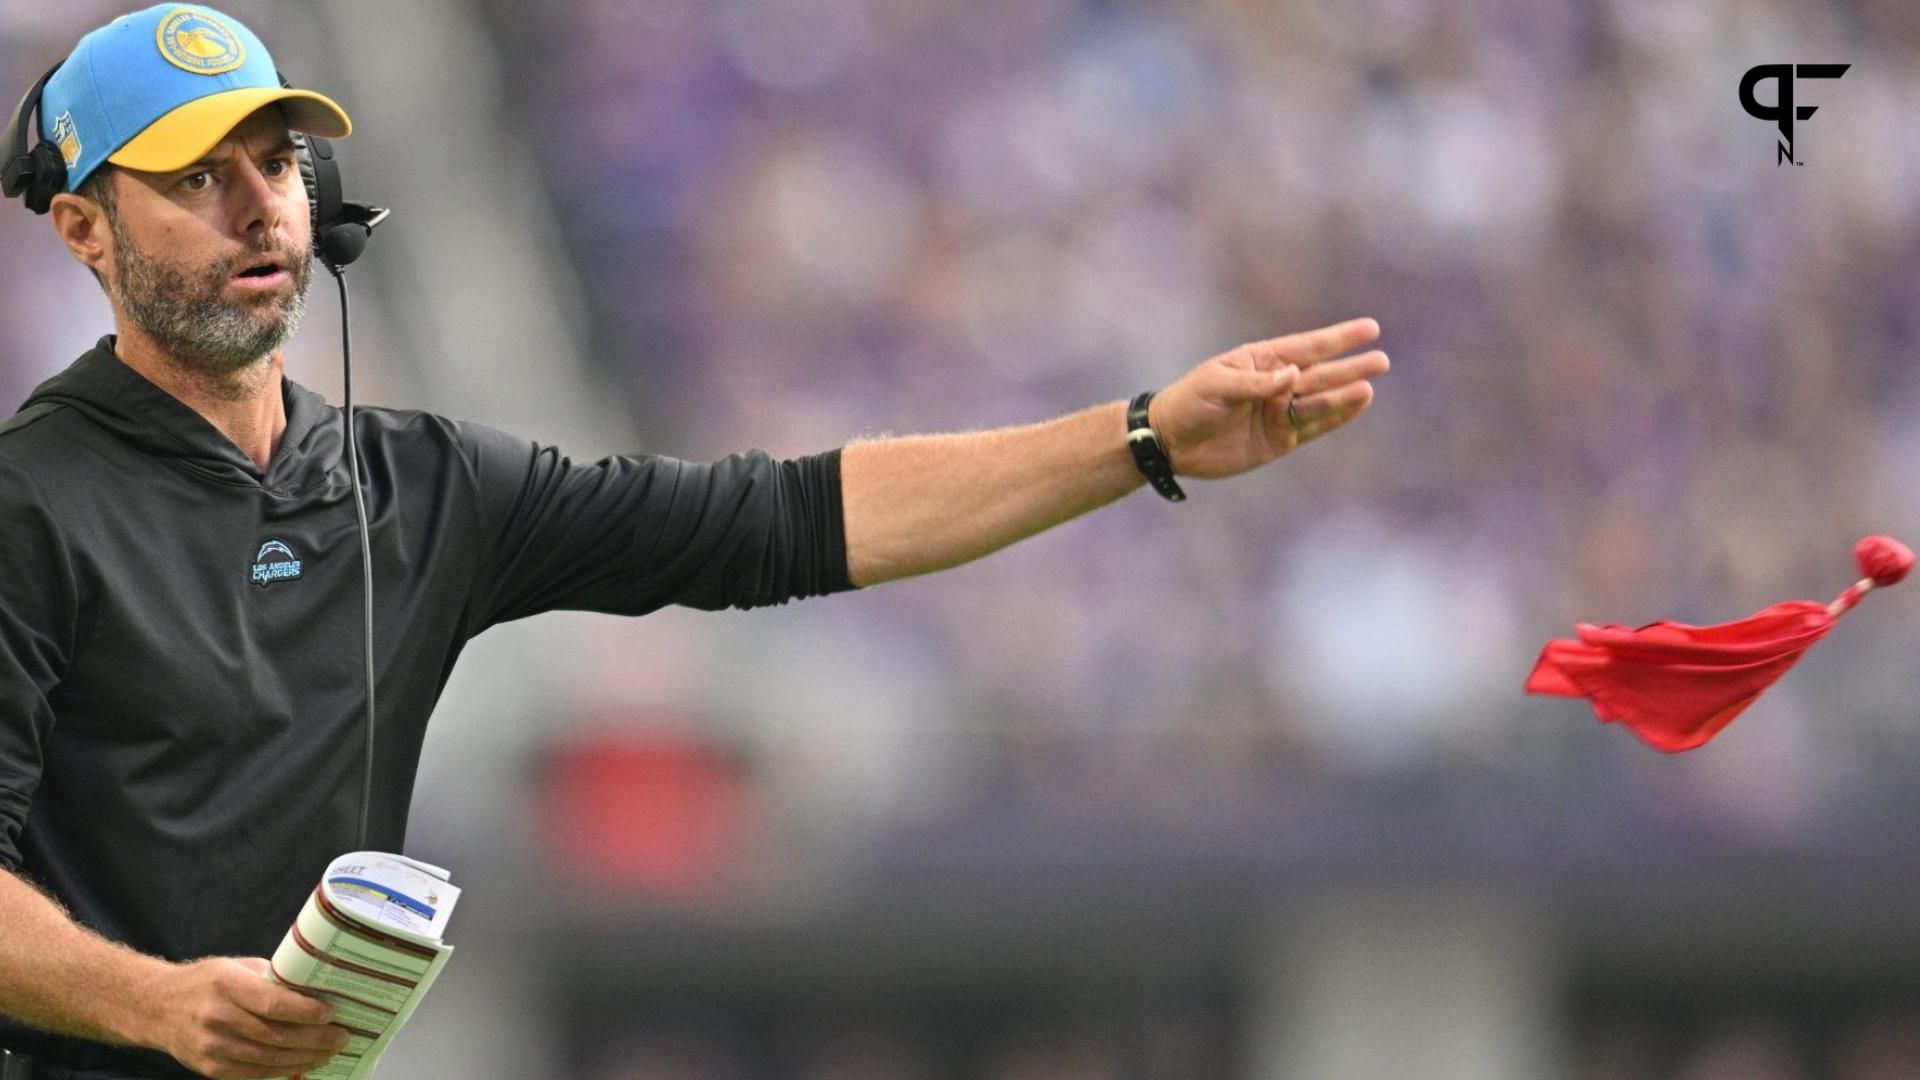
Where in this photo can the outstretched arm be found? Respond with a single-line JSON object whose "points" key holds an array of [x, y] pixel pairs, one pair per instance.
{"points": [[923, 503]]}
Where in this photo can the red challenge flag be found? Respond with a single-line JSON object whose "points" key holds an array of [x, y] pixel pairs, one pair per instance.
{"points": [[1675, 686]]}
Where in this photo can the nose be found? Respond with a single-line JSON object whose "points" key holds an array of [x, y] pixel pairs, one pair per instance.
{"points": [[259, 205]]}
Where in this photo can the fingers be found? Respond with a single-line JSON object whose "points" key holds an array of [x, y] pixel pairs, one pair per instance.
{"points": [[241, 1045], [275, 1026], [1320, 413], [1310, 409], [1339, 373], [268, 999], [1313, 346], [278, 1035], [238, 1047], [246, 1058], [1250, 384]]}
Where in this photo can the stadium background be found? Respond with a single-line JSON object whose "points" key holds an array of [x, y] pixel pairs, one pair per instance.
{"points": [[1239, 789]]}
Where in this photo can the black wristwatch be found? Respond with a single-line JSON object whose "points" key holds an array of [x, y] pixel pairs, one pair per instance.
{"points": [[1148, 455]]}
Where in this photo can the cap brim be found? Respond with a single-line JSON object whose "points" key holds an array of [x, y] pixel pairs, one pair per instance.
{"points": [[184, 135]]}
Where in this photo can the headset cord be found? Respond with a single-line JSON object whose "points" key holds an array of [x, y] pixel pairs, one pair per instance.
{"points": [[366, 551]]}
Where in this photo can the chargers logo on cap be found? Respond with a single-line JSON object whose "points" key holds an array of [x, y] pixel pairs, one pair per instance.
{"points": [[199, 43], [67, 138]]}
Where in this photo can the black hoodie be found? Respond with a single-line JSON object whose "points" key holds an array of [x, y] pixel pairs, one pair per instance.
{"points": [[181, 682]]}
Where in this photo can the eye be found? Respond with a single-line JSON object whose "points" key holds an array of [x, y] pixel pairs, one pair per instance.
{"points": [[278, 167], [197, 181]]}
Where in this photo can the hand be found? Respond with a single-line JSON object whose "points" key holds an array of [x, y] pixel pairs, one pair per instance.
{"points": [[1230, 414], [227, 1018]]}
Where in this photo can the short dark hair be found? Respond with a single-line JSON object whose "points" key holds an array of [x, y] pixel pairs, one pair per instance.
{"points": [[98, 187]]}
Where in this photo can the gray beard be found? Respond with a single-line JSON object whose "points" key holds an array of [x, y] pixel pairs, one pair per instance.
{"points": [[201, 330]]}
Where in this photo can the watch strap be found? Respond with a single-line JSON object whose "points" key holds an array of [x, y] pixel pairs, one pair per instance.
{"points": [[1149, 456]]}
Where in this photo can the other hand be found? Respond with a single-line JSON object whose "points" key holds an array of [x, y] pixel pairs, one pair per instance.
{"points": [[1231, 414], [227, 1018]]}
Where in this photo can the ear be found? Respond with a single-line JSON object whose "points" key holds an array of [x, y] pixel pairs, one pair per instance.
{"points": [[83, 227]]}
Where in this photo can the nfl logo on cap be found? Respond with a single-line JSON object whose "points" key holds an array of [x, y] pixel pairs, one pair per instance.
{"points": [[66, 138]]}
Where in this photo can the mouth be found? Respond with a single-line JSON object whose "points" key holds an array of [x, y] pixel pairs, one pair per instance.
{"points": [[269, 272]]}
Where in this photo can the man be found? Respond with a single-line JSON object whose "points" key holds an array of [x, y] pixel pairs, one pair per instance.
{"points": [[180, 705]]}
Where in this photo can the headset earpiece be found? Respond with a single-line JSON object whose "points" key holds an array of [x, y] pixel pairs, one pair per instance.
{"points": [[49, 178], [38, 174]]}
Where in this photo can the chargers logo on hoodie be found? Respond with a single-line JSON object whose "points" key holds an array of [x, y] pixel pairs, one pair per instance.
{"points": [[275, 562]]}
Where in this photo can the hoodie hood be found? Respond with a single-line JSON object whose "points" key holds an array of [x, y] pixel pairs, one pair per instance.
{"points": [[133, 409]]}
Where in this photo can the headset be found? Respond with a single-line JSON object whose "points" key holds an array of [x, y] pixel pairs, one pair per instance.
{"points": [[340, 232]]}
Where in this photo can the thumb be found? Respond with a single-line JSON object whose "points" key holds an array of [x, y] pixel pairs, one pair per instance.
{"points": [[258, 965]]}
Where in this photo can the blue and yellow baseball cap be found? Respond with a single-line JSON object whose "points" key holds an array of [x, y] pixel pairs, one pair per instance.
{"points": [[157, 89]]}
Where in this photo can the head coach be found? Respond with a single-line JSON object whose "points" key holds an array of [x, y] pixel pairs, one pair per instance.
{"points": [[181, 608]]}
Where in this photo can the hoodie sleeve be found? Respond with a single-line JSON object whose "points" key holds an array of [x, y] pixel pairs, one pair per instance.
{"points": [[631, 534], [38, 611]]}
